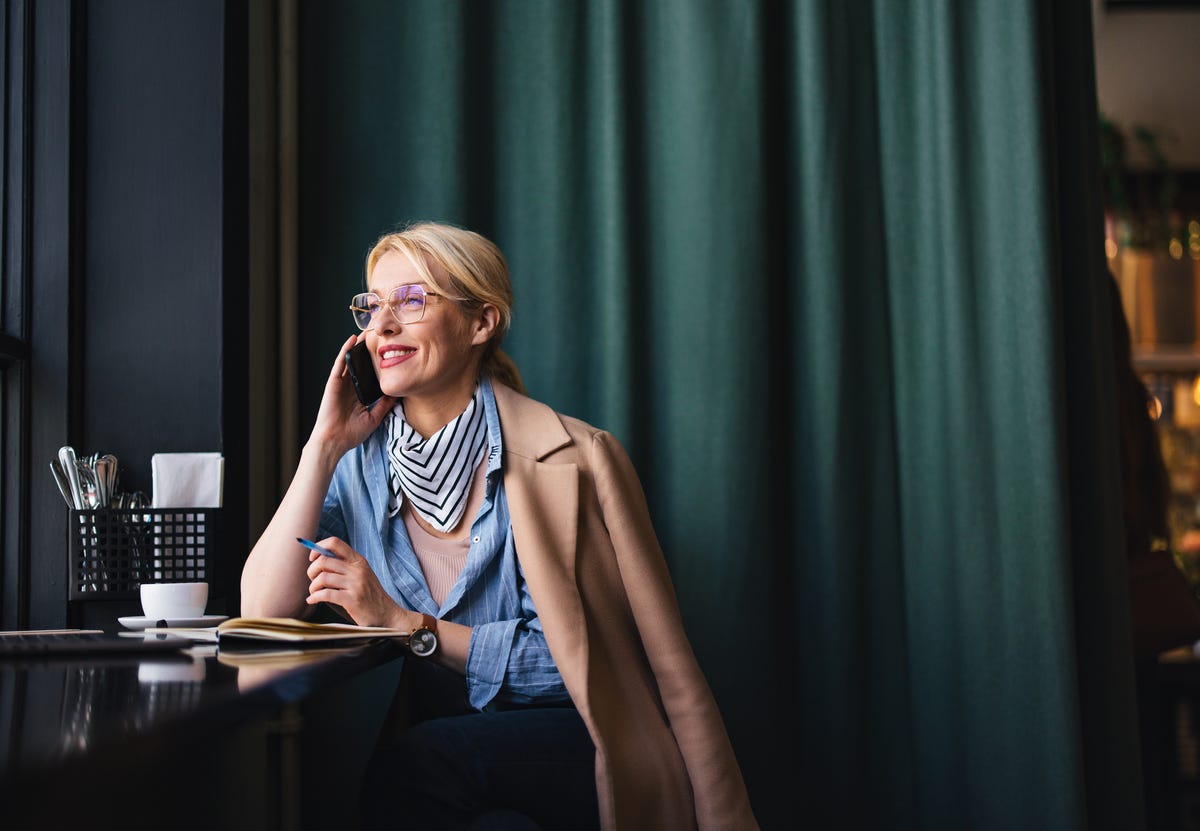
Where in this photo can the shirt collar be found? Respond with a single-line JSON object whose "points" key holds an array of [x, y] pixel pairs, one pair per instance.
{"points": [[495, 442]]}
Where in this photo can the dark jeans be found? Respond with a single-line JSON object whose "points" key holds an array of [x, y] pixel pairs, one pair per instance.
{"points": [[525, 769]]}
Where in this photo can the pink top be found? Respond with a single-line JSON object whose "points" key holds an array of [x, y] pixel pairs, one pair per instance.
{"points": [[441, 559]]}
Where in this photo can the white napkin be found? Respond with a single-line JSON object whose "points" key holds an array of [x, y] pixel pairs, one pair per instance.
{"points": [[187, 480]]}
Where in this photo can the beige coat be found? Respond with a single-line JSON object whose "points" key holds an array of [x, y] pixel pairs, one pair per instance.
{"points": [[600, 584]]}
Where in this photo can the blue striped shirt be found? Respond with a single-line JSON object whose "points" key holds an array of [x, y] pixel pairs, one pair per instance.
{"points": [[508, 661]]}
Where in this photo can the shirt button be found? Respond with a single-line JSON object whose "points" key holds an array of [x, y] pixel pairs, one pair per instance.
{"points": [[476, 538]]}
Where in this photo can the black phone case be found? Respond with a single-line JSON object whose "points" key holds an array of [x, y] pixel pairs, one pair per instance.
{"points": [[362, 374]]}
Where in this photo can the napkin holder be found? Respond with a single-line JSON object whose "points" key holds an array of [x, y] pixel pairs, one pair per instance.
{"points": [[114, 550]]}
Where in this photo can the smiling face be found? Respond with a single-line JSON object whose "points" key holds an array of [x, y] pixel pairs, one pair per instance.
{"points": [[434, 363]]}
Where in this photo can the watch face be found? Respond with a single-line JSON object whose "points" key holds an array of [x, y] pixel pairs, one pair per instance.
{"points": [[423, 643]]}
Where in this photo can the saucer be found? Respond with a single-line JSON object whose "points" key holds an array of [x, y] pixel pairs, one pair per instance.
{"points": [[140, 622]]}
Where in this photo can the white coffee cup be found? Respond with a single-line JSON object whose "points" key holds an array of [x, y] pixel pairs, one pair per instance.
{"points": [[174, 601]]}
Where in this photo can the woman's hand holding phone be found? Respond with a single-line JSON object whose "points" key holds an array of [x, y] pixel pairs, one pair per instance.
{"points": [[343, 421]]}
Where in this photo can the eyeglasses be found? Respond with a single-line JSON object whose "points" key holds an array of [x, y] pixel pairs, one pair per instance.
{"points": [[406, 303]]}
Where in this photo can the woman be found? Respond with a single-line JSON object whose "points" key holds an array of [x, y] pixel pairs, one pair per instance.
{"points": [[522, 540]]}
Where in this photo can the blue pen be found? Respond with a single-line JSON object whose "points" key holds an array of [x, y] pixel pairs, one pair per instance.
{"points": [[310, 544]]}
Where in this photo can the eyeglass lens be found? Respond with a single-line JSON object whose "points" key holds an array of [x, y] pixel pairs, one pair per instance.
{"points": [[407, 305]]}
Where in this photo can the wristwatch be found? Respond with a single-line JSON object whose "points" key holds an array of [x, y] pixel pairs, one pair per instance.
{"points": [[423, 641]]}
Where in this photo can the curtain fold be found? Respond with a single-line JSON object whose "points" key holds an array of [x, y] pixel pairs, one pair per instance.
{"points": [[820, 267], [984, 540]]}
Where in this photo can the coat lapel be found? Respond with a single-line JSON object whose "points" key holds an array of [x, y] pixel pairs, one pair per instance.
{"points": [[543, 504]]}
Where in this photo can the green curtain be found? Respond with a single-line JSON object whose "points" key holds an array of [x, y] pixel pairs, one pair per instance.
{"points": [[831, 271]]}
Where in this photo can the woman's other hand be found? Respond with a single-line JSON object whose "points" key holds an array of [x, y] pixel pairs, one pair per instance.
{"points": [[342, 421], [274, 582], [346, 580]]}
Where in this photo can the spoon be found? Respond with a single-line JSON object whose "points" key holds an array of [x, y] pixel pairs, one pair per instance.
{"points": [[113, 471], [66, 458], [101, 468]]}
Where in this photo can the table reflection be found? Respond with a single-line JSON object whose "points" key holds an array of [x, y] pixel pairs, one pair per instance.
{"points": [[258, 667], [134, 734], [51, 710]]}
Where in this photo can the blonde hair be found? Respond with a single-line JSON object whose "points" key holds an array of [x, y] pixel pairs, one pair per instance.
{"points": [[475, 274]]}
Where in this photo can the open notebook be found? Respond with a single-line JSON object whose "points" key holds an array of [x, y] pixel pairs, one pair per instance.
{"points": [[294, 632]]}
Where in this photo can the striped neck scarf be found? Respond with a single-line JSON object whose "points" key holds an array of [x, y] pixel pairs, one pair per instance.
{"points": [[435, 473]]}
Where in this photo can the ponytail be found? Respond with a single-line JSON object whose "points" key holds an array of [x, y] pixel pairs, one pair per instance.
{"points": [[498, 366]]}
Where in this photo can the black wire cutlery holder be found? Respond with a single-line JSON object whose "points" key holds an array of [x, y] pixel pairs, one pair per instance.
{"points": [[114, 550]]}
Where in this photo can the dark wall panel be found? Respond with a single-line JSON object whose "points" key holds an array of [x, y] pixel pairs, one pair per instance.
{"points": [[49, 233], [152, 319]]}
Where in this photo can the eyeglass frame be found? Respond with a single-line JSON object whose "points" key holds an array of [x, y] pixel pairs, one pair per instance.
{"points": [[391, 306]]}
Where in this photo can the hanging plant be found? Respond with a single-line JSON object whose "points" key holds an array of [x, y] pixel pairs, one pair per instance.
{"points": [[1148, 219]]}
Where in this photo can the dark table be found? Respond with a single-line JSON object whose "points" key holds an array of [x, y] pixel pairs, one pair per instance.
{"points": [[213, 740]]}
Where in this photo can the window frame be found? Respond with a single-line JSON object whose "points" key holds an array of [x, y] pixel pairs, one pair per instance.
{"points": [[42, 41]]}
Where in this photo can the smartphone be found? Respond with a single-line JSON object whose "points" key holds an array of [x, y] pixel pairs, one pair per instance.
{"points": [[362, 374]]}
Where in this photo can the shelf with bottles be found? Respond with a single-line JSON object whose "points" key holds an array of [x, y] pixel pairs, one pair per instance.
{"points": [[1171, 359], [1175, 387]]}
